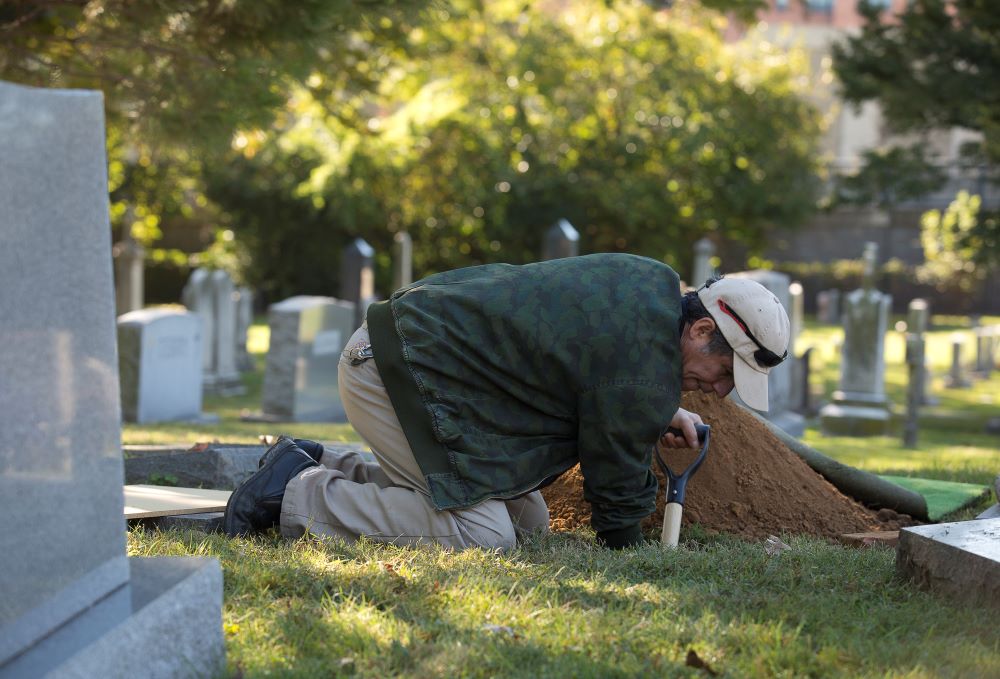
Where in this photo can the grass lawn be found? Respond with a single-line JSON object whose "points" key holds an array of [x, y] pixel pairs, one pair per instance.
{"points": [[559, 606]]}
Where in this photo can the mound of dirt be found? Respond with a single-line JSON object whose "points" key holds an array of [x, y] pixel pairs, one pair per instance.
{"points": [[750, 485]]}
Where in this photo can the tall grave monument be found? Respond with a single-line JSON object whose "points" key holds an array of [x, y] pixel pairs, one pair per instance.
{"points": [[860, 407], [71, 602]]}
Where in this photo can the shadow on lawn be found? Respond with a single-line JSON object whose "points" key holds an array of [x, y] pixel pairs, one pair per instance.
{"points": [[412, 611]]}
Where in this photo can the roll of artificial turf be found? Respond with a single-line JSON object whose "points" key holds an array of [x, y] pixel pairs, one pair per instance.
{"points": [[865, 487]]}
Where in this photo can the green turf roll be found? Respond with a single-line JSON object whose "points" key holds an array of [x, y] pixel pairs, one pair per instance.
{"points": [[865, 487]]}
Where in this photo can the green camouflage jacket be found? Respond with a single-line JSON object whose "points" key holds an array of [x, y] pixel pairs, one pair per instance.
{"points": [[504, 377]]}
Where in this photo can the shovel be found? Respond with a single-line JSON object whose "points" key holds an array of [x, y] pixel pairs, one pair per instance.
{"points": [[678, 484]]}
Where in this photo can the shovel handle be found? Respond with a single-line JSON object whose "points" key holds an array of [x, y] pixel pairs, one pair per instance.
{"points": [[671, 524]]}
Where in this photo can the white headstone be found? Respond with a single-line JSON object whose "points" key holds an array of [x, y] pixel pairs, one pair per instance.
{"points": [[71, 601], [307, 336], [159, 361], [198, 297], [779, 381]]}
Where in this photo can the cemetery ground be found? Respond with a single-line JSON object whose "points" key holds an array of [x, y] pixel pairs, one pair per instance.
{"points": [[560, 606]]}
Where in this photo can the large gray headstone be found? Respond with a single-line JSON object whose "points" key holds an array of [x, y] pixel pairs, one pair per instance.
{"points": [[779, 380], [159, 362], [307, 336], [68, 586], [198, 297], [860, 406]]}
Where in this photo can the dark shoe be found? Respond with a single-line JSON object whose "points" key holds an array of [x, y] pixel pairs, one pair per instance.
{"points": [[256, 504], [312, 448]]}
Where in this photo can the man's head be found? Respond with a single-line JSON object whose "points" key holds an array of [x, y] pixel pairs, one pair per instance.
{"points": [[734, 332]]}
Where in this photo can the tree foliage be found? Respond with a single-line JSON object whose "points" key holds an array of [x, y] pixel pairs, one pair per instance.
{"points": [[192, 70], [935, 65], [180, 77], [955, 240], [496, 119], [890, 176]]}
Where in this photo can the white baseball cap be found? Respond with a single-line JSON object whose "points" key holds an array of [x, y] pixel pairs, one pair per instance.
{"points": [[756, 326]]}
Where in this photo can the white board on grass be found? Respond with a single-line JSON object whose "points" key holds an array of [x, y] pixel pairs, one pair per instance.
{"points": [[144, 501]]}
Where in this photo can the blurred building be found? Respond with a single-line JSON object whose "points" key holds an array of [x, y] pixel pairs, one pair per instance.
{"points": [[815, 26]]}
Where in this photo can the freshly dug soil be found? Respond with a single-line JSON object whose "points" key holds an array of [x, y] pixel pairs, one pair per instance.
{"points": [[750, 485]]}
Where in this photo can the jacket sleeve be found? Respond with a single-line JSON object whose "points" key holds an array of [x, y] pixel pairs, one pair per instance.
{"points": [[619, 423]]}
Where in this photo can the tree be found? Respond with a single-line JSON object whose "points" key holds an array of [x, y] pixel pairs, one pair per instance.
{"points": [[888, 177], [188, 69], [640, 127], [953, 240], [180, 77], [935, 65]]}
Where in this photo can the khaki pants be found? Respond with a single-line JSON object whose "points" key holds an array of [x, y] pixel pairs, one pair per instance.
{"points": [[347, 496]]}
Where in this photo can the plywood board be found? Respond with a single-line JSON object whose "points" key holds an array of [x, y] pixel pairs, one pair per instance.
{"points": [[144, 501]]}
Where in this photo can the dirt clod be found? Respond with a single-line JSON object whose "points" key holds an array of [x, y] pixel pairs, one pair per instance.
{"points": [[750, 485]]}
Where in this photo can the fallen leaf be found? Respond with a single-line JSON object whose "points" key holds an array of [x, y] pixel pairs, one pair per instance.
{"points": [[501, 629], [692, 660], [774, 545]]}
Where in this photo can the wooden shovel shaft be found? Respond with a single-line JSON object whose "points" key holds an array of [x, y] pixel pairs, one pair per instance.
{"points": [[671, 524]]}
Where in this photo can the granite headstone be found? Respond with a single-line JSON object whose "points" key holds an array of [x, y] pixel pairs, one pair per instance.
{"points": [[73, 603], [307, 336], [159, 365]]}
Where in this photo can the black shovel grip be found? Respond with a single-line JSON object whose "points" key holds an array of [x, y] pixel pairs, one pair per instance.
{"points": [[678, 482]]}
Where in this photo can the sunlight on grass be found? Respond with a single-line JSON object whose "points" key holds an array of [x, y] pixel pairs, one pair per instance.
{"points": [[560, 606]]}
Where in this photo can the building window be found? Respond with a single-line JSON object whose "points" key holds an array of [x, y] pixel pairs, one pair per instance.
{"points": [[781, 5], [825, 6], [877, 4]]}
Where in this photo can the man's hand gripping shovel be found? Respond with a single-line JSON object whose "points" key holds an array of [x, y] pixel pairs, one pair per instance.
{"points": [[677, 484]]}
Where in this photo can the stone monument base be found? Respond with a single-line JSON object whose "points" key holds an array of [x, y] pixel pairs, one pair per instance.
{"points": [[846, 419], [171, 628], [960, 560]]}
